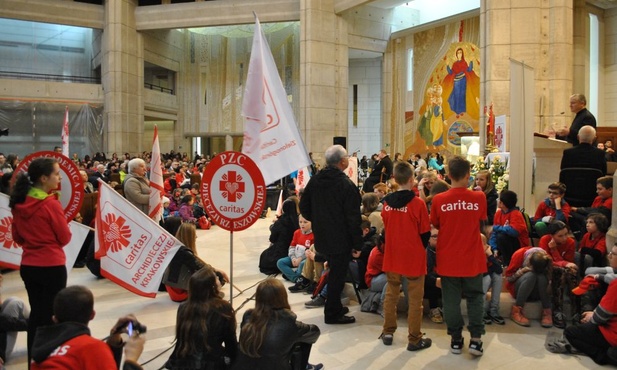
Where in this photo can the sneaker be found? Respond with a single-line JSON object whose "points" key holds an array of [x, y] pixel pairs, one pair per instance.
{"points": [[497, 319], [559, 320], [475, 348], [487, 319], [314, 367], [435, 315], [310, 288], [386, 339], [456, 345], [422, 344], [316, 302], [300, 285]]}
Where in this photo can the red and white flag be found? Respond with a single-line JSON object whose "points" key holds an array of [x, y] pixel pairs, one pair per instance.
{"points": [[352, 170], [156, 180], [304, 175], [134, 250], [271, 136], [10, 252], [65, 133]]}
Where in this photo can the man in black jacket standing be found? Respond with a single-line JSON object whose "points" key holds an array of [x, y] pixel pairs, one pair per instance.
{"points": [[332, 203], [578, 106]]}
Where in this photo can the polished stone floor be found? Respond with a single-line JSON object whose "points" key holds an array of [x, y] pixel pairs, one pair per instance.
{"points": [[340, 347]]}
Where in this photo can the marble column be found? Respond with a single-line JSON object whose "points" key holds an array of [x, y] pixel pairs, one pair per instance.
{"points": [[323, 75], [540, 35], [122, 78]]}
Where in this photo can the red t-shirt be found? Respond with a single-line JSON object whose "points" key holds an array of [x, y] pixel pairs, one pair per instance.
{"points": [[457, 214], [82, 352], [563, 254], [600, 202], [405, 253], [516, 220], [609, 303], [374, 266], [598, 243], [549, 210], [300, 243]]}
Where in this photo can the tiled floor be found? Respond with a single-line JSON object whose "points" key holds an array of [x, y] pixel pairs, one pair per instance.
{"points": [[340, 347]]}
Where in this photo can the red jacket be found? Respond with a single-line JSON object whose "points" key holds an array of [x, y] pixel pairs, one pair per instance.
{"points": [[547, 209], [563, 254], [40, 227], [374, 266], [516, 220]]}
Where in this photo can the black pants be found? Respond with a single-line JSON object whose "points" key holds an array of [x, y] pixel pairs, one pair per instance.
{"points": [[42, 285], [432, 293], [300, 356], [338, 265], [507, 245], [588, 339]]}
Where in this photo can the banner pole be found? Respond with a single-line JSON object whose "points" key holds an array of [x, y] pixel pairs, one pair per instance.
{"points": [[231, 267]]}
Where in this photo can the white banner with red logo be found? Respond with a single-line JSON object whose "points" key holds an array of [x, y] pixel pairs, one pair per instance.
{"points": [[156, 180], [352, 170], [10, 252], [271, 136], [134, 250], [304, 175]]}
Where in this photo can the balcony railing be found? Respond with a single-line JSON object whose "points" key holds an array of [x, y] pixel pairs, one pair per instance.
{"points": [[49, 77], [159, 88]]}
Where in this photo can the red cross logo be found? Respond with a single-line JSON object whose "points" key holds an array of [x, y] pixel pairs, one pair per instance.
{"points": [[116, 233], [6, 235], [232, 186]]}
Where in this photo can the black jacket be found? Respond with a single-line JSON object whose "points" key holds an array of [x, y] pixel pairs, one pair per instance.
{"points": [[283, 332], [332, 203], [584, 155]]}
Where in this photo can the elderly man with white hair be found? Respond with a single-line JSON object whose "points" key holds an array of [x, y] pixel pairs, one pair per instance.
{"points": [[136, 186], [585, 154]]}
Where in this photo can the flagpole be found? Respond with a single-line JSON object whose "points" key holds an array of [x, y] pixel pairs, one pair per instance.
{"points": [[231, 267]]}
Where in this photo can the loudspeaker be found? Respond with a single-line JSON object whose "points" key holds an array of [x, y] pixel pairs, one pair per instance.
{"points": [[340, 140]]}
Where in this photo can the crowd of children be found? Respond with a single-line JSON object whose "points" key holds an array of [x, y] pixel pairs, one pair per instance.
{"points": [[447, 224]]}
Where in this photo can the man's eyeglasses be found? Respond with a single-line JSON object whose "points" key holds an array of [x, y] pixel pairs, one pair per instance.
{"points": [[610, 254]]}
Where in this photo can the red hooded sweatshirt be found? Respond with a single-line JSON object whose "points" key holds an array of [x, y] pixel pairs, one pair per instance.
{"points": [[40, 227]]}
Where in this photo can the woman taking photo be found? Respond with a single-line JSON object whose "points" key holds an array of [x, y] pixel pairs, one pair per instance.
{"points": [[205, 327], [271, 338], [41, 229]]}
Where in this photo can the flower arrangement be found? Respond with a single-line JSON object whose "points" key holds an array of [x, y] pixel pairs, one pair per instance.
{"points": [[499, 173]]}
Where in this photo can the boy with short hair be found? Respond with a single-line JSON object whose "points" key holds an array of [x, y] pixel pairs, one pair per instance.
{"points": [[407, 230], [554, 207], [458, 214]]}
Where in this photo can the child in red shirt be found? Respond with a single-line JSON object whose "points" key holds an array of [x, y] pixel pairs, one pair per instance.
{"points": [[603, 204], [407, 231], [560, 247], [509, 227], [592, 248], [458, 214]]}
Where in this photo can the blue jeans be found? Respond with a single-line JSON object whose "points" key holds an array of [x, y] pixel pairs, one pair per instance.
{"points": [[286, 267], [492, 281]]}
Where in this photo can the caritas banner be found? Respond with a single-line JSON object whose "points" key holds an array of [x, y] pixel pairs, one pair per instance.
{"points": [[10, 252], [133, 249]]}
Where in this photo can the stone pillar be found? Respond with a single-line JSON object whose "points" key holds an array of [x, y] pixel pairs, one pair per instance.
{"points": [[538, 33], [122, 78], [323, 75]]}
